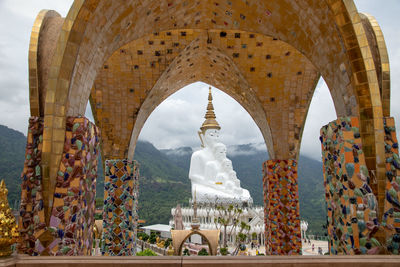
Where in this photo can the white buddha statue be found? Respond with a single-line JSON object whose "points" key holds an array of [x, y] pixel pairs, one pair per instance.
{"points": [[211, 172]]}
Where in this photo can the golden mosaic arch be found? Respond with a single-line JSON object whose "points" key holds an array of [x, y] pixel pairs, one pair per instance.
{"points": [[45, 32], [328, 37], [381, 58]]}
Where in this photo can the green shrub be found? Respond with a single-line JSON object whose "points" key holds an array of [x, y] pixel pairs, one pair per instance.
{"points": [[143, 235], [152, 238], [203, 252], [223, 251], [186, 252], [146, 252]]}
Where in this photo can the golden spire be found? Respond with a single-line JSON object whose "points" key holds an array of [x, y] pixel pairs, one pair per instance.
{"points": [[8, 227], [210, 122]]}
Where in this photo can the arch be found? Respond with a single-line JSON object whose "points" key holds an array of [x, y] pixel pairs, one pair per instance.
{"points": [[250, 86], [380, 56], [180, 236], [104, 33], [328, 33], [45, 31], [366, 85], [170, 82]]}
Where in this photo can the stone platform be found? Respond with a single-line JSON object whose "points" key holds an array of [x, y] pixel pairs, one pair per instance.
{"points": [[281, 261]]}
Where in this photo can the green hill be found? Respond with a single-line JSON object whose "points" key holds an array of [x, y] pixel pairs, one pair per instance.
{"points": [[12, 154], [164, 178]]}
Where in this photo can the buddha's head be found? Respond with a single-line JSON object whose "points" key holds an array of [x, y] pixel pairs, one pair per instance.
{"points": [[211, 137], [220, 151], [227, 165]]}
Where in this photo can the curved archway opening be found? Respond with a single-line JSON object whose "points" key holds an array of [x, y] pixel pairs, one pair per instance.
{"points": [[197, 238], [172, 130], [310, 180]]}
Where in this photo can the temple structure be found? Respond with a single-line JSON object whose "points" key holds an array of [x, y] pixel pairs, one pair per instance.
{"points": [[125, 57], [215, 184]]}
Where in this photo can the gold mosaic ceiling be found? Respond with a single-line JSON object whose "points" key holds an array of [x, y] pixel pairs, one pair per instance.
{"points": [[281, 79]]}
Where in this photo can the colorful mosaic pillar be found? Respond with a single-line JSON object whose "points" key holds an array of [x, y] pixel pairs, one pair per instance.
{"points": [[72, 216], [70, 229], [351, 204], [391, 216], [32, 220], [120, 208], [281, 208]]}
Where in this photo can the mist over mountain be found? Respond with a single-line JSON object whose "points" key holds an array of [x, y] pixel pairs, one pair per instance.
{"points": [[164, 178]]}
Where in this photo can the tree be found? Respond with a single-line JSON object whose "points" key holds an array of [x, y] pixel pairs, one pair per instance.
{"points": [[242, 237], [227, 216], [254, 235]]}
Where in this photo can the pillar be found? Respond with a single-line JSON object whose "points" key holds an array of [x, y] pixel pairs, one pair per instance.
{"points": [[120, 208], [69, 231], [32, 218], [391, 215], [281, 208], [351, 203]]}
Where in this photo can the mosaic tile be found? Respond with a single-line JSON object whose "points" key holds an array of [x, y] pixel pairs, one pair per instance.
{"points": [[351, 204], [120, 208], [32, 220], [281, 208], [72, 216], [391, 216]]}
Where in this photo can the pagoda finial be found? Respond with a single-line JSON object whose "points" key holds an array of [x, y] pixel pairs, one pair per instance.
{"points": [[210, 122]]}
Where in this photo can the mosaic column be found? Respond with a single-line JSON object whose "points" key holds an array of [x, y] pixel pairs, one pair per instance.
{"points": [[391, 216], [120, 208], [281, 208], [351, 204], [72, 215], [32, 220]]}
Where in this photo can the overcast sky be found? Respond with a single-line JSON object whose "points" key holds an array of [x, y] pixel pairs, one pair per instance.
{"points": [[176, 121]]}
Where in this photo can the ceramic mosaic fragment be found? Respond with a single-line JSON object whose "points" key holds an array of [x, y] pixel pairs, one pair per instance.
{"points": [[351, 205], [281, 208], [72, 215], [120, 208], [32, 220], [391, 216]]}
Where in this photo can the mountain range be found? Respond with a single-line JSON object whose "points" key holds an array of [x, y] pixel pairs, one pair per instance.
{"points": [[164, 178]]}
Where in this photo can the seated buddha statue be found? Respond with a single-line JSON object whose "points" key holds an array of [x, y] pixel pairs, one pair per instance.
{"points": [[211, 172]]}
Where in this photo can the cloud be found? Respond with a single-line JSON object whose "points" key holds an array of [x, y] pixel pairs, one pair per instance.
{"points": [[176, 121], [16, 20]]}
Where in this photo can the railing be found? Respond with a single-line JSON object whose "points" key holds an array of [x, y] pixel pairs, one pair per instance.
{"points": [[143, 245]]}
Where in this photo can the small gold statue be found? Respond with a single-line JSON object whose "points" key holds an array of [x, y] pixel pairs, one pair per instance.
{"points": [[170, 251], [8, 227], [160, 243]]}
